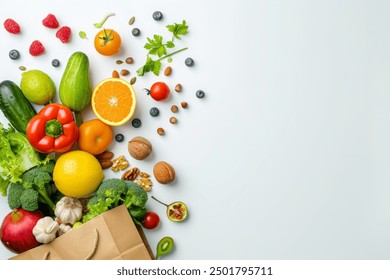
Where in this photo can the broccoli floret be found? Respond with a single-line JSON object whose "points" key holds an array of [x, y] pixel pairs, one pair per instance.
{"points": [[113, 188], [114, 192], [136, 195], [29, 200], [39, 179], [96, 206], [15, 191]]}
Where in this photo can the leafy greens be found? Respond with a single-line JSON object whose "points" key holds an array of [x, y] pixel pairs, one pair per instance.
{"points": [[16, 157]]}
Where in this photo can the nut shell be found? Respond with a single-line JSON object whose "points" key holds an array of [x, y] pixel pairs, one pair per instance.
{"points": [[139, 147], [163, 172]]}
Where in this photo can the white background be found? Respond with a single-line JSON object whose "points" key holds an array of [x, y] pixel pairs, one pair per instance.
{"points": [[287, 156]]}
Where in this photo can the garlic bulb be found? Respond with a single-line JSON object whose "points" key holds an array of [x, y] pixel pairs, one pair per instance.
{"points": [[45, 230], [69, 210], [63, 229]]}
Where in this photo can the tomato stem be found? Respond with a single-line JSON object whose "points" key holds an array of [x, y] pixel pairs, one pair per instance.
{"points": [[107, 38]]}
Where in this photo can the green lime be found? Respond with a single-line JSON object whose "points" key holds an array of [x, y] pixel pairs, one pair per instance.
{"points": [[37, 86]]}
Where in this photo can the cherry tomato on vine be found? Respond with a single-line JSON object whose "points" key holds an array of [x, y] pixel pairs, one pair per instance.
{"points": [[159, 91], [107, 42], [150, 220]]}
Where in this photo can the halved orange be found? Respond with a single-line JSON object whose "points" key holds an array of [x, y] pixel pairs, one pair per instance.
{"points": [[114, 101]]}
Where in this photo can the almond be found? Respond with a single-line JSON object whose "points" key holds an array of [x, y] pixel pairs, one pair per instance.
{"points": [[168, 71], [105, 163], [105, 155]]}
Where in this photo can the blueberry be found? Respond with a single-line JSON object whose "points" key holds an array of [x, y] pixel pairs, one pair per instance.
{"points": [[14, 54], [119, 137], [157, 15], [136, 32], [154, 112], [55, 62], [200, 93], [189, 62], [136, 123]]}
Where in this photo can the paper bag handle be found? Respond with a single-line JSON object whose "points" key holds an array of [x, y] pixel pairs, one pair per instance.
{"points": [[89, 256]]}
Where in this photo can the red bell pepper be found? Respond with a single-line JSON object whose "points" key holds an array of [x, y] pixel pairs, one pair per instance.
{"points": [[53, 129]]}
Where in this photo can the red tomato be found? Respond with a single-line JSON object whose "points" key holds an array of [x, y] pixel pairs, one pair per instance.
{"points": [[159, 91], [150, 220]]}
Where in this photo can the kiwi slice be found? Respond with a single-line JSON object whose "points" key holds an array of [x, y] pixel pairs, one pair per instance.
{"points": [[164, 246]]}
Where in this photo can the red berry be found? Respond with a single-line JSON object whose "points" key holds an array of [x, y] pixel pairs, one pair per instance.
{"points": [[64, 34], [36, 48], [50, 21], [11, 26]]}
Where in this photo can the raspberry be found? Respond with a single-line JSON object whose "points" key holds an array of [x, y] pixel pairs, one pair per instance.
{"points": [[50, 21], [36, 48], [11, 26], [64, 34]]}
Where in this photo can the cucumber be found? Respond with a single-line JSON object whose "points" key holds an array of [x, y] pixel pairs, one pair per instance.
{"points": [[15, 106], [75, 89]]}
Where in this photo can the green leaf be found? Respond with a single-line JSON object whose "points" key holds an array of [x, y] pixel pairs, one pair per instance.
{"points": [[156, 67], [150, 66], [82, 35], [178, 29], [170, 45], [156, 46]]}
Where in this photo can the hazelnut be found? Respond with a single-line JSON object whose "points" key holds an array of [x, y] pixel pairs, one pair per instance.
{"points": [[139, 147], [164, 172]]}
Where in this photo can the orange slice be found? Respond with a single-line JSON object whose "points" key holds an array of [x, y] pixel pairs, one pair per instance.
{"points": [[114, 101]]}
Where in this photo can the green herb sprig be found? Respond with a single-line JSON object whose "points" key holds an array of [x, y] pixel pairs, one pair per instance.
{"points": [[157, 47]]}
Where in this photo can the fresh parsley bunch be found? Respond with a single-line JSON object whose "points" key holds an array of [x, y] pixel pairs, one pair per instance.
{"points": [[157, 47]]}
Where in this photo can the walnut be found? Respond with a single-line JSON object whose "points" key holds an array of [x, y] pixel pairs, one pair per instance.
{"points": [[144, 175], [144, 183], [119, 163], [139, 148], [131, 174], [163, 172]]}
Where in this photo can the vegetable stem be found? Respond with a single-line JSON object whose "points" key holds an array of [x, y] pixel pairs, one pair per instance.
{"points": [[101, 23], [47, 199], [79, 118], [160, 201], [170, 54]]}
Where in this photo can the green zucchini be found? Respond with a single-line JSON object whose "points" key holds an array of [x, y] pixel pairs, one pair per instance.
{"points": [[15, 106], [75, 87]]}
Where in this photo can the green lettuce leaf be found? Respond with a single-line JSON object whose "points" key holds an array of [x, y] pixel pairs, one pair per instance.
{"points": [[16, 156]]}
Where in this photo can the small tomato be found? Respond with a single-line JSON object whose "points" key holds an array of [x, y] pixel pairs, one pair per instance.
{"points": [[159, 91], [107, 42], [150, 220], [95, 136]]}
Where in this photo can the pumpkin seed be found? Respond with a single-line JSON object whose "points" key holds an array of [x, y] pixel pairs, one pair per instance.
{"points": [[131, 20]]}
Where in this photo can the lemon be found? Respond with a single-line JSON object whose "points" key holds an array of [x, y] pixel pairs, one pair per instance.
{"points": [[37, 86], [77, 174]]}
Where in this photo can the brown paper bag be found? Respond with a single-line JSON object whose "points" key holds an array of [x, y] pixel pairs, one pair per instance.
{"points": [[109, 236]]}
